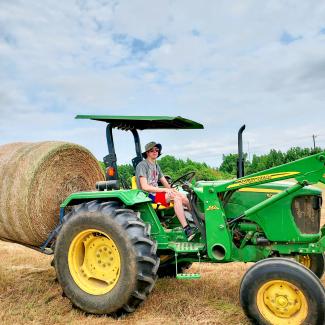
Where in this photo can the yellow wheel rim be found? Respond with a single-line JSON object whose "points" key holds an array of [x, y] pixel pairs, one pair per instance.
{"points": [[94, 262], [305, 260], [282, 303]]}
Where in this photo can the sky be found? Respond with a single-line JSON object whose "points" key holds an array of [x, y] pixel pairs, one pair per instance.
{"points": [[220, 63]]}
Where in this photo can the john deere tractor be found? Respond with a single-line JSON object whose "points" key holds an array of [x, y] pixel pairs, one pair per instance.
{"points": [[112, 243]]}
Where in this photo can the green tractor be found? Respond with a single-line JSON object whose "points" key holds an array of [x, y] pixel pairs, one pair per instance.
{"points": [[113, 243]]}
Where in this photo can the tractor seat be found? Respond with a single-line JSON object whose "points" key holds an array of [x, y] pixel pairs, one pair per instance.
{"points": [[154, 205]]}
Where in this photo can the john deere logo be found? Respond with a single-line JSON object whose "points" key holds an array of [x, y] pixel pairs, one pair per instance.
{"points": [[260, 179], [212, 207]]}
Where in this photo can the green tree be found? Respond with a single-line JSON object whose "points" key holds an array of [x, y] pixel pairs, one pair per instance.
{"points": [[125, 173], [266, 161], [298, 153], [229, 163], [175, 168], [276, 158], [102, 166]]}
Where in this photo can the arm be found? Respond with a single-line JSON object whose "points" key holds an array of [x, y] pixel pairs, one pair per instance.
{"points": [[149, 188], [164, 182]]}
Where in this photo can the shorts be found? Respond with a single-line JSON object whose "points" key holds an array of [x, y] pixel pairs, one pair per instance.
{"points": [[159, 198]]}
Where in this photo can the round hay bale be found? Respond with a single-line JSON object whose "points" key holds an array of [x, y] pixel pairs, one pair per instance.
{"points": [[35, 180]]}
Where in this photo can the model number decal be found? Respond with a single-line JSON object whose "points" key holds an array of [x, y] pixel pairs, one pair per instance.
{"points": [[262, 178]]}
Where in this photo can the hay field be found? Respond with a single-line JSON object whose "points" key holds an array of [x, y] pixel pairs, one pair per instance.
{"points": [[29, 294]]}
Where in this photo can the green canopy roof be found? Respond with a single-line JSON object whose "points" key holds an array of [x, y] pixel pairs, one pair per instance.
{"points": [[144, 122]]}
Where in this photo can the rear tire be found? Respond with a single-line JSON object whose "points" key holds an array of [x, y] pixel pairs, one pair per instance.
{"points": [[281, 291], [104, 258]]}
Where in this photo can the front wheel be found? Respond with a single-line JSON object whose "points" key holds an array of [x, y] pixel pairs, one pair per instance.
{"points": [[281, 291], [104, 258]]}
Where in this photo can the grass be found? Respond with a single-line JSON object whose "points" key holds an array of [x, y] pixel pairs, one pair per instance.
{"points": [[29, 294]]}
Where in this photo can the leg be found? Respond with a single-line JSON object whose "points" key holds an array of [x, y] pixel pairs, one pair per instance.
{"points": [[180, 199], [184, 199], [179, 211], [178, 207]]}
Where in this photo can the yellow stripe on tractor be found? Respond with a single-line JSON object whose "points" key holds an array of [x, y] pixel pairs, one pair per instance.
{"points": [[259, 190]]}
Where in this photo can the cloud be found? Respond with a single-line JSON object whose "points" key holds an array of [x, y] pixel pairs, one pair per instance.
{"points": [[137, 46], [287, 38], [224, 65]]}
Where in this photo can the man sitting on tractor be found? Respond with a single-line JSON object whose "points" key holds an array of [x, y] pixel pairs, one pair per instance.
{"points": [[148, 172]]}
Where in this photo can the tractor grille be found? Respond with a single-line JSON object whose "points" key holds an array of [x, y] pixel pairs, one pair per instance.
{"points": [[307, 211]]}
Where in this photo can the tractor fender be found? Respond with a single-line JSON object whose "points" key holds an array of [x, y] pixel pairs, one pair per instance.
{"points": [[128, 197]]}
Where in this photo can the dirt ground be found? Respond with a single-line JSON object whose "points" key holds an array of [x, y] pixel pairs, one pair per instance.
{"points": [[29, 294]]}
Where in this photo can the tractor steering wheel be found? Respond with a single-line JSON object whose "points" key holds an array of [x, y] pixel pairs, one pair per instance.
{"points": [[183, 179]]}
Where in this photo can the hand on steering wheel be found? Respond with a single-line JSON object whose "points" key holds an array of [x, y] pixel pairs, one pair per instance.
{"points": [[186, 178]]}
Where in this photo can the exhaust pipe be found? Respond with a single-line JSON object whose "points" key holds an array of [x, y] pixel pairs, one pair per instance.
{"points": [[240, 160]]}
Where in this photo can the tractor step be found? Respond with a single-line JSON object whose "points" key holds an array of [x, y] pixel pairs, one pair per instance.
{"points": [[187, 248], [188, 276], [184, 247]]}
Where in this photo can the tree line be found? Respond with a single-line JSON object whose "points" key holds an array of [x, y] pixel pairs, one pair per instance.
{"points": [[174, 167], [266, 161]]}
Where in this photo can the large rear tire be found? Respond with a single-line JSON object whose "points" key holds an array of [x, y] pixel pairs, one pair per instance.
{"points": [[281, 291], [104, 258]]}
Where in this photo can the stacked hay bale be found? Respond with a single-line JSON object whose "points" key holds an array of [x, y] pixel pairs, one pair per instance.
{"points": [[35, 178]]}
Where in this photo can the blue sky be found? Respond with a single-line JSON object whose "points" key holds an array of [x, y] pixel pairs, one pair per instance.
{"points": [[220, 63]]}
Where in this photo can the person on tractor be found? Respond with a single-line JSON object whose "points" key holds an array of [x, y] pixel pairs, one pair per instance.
{"points": [[148, 173]]}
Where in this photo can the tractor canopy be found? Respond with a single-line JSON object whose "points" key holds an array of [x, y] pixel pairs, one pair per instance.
{"points": [[129, 123], [133, 124]]}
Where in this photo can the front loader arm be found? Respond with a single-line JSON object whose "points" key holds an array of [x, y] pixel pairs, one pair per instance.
{"points": [[306, 171]]}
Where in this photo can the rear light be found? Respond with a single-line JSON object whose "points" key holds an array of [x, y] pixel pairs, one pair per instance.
{"points": [[110, 171]]}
